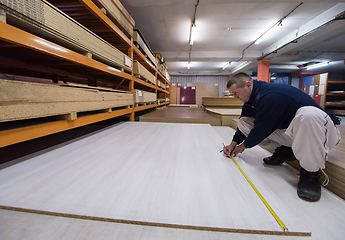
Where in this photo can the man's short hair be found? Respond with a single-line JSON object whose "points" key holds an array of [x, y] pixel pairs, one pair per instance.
{"points": [[239, 79]]}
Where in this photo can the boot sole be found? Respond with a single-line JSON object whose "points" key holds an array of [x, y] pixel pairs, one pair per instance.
{"points": [[308, 197]]}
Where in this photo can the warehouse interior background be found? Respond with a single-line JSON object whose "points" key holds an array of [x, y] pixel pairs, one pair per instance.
{"points": [[76, 81]]}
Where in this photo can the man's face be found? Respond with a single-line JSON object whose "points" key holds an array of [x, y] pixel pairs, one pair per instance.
{"points": [[242, 94]]}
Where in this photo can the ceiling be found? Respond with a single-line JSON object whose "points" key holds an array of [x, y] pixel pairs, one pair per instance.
{"points": [[225, 31]]}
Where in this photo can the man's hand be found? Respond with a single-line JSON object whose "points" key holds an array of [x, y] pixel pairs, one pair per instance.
{"points": [[238, 149], [227, 150], [233, 149]]}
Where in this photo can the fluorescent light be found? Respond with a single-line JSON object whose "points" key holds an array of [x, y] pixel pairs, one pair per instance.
{"points": [[267, 33], [226, 65], [239, 67], [188, 65], [318, 65], [191, 35]]}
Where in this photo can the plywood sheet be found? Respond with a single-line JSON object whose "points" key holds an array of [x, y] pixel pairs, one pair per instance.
{"points": [[228, 102], [46, 20], [186, 114], [25, 100], [124, 173]]}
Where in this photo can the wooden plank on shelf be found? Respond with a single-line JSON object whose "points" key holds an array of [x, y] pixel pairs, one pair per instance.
{"points": [[141, 72], [118, 14], [27, 40], [26, 100], [141, 96], [50, 23]]}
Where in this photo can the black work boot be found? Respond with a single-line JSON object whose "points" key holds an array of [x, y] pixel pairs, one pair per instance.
{"points": [[309, 186], [280, 155]]}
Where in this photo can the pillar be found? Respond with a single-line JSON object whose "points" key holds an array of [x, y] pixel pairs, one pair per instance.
{"points": [[263, 69]]}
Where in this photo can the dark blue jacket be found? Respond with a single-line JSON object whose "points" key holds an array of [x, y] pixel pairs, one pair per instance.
{"points": [[273, 106]]}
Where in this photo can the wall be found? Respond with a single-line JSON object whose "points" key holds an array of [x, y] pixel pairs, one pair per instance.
{"points": [[221, 80]]}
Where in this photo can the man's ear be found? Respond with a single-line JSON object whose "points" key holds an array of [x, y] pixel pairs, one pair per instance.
{"points": [[249, 84]]}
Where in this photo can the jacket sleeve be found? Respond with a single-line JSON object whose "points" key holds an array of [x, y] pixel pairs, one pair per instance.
{"points": [[271, 111], [247, 111]]}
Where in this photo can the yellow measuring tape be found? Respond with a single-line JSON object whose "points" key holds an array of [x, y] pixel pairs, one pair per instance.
{"points": [[262, 198]]}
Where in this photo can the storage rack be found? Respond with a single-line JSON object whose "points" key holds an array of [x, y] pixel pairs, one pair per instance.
{"points": [[335, 97], [25, 54]]}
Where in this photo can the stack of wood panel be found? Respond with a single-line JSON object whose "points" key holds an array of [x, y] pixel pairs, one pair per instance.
{"points": [[228, 102], [26, 100], [118, 14], [161, 85], [141, 72], [140, 42], [44, 20], [144, 97]]}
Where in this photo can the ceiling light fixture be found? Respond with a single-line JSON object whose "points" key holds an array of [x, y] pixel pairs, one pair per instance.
{"points": [[318, 65], [226, 65], [188, 65], [191, 39], [239, 67], [269, 32]]}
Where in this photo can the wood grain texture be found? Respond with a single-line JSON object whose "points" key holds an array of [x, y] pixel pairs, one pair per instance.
{"points": [[181, 115], [125, 173], [25, 100]]}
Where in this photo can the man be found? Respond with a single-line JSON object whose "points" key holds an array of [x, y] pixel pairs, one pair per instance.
{"points": [[282, 118]]}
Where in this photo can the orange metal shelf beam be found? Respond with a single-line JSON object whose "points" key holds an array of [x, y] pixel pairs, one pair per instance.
{"points": [[14, 136], [28, 40], [141, 108], [99, 14]]}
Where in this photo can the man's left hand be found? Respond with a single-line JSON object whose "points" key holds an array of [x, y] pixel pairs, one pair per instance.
{"points": [[238, 149]]}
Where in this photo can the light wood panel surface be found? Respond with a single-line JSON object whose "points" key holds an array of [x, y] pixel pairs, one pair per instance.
{"points": [[131, 172], [181, 115]]}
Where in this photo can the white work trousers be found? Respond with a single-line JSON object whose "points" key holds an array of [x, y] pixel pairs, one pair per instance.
{"points": [[310, 134]]}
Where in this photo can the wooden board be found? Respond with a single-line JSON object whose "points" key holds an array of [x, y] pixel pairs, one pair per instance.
{"points": [[226, 115], [144, 97], [141, 72], [118, 14], [143, 46], [43, 19], [25, 100], [204, 90], [124, 175], [228, 102], [181, 115]]}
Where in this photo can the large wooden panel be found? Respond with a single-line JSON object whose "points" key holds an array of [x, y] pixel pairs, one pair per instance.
{"points": [[181, 115], [125, 174]]}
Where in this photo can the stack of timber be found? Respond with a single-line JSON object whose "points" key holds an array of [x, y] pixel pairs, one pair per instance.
{"points": [[227, 102], [161, 85], [26, 100], [118, 14], [162, 66], [140, 42], [44, 20], [141, 97], [141, 72]]}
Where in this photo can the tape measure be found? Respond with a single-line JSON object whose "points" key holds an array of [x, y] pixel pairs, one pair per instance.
{"points": [[261, 197]]}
